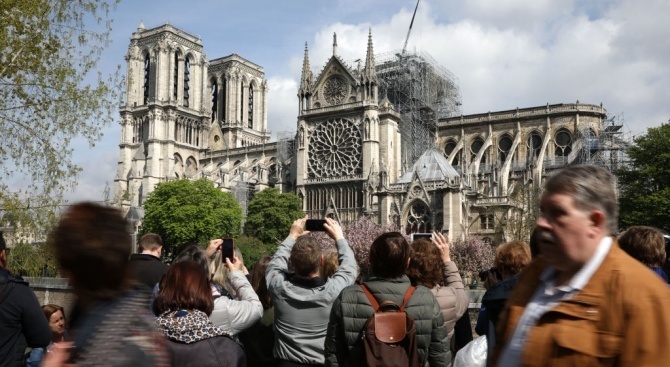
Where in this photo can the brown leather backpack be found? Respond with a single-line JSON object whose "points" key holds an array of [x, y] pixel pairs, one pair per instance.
{"points": [[389, 335]]}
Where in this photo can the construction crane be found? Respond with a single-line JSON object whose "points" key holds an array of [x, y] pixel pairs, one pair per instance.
{"points": [[410, 27]]}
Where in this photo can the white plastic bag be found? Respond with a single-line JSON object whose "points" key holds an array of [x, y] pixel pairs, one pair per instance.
{"points": [[472, 354]]}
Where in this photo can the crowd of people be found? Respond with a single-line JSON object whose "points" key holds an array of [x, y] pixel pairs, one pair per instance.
{"points": [[576, 296]]}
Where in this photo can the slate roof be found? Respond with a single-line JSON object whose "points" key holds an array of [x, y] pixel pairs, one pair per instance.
{"points": [[431, 166]]}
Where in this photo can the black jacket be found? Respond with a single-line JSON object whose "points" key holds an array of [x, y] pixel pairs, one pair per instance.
{"points": [[494, 300], [20, 316], [147, 269], [218, 351]]}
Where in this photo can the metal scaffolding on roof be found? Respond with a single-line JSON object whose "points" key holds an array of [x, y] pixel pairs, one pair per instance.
{"points": [[422, 91], [606, 149]]}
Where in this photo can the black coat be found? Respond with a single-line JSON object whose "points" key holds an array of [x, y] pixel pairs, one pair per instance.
{"points": [[147, 269], [20, 316]]}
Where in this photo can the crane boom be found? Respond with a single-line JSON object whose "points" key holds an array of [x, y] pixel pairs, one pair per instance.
{"points": [[404, 47]]}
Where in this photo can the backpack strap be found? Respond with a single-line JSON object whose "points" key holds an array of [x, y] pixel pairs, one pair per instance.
{"points": [[371, 298], [408, 295]]}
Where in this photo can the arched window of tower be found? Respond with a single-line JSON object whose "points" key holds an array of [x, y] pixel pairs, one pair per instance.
{"points": [[147, 77], [187, 79], [251, 106], [215, 99], [175, 81], [241, 102]]}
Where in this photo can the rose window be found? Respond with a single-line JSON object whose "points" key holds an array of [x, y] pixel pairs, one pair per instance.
{"points": [[335, 149], [335, 90]]}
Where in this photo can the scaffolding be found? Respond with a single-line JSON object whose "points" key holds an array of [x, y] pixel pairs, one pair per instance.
{"points": [[423, 92], [285, 147], [607, 148]]}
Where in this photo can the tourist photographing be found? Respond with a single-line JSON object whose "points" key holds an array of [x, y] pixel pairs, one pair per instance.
{"points": [[302, 299]]}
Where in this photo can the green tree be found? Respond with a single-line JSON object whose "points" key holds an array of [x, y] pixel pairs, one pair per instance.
{"points": [[253, 249], [32, 260], [181, 211], [50, 94], [270, 215], [644, 196]]}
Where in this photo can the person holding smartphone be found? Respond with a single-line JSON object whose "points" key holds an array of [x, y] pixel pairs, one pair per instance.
{"points": [[302, 298]]}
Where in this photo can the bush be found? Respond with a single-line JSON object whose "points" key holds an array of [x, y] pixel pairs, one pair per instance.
{"points": [[472, 255], [253, 249]]}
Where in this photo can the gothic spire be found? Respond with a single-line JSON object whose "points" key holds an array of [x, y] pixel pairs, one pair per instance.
{"points": [[370, 72], [334, 44], [306, 79]]}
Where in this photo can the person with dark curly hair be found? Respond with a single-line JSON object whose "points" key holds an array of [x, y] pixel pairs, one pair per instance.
{"points": [[432, 267]]}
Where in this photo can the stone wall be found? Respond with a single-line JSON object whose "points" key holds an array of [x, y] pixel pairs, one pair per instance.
{"points": [[53, 290]]}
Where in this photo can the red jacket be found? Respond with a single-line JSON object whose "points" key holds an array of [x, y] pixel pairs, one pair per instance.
{"points": [[620, 318]]}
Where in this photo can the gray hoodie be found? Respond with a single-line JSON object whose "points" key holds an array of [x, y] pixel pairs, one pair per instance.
{"points": [[301, 312]]}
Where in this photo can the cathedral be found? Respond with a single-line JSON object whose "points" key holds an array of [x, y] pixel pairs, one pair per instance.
{"points": [[383, 137]]}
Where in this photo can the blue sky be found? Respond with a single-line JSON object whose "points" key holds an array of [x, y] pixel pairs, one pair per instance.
{"points": [[504, 53]]}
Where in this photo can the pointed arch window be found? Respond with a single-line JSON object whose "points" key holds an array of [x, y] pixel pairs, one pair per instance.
{"points": [[563, 144], [175, 81], [215, 99], [476, 146], [187, 80], [250, 113], [147, 77], [418, 218], [241, 102], [224, 92], [534, 146], [504, 148], [448, 149]]}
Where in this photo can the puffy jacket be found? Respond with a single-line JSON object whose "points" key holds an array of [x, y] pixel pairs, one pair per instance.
{"points": [[452, 297], [620, 318], [301, 312], [352, 308], [235, 315]]}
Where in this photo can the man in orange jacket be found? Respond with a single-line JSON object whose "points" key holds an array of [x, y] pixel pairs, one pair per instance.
{"points": [[584, 302]]}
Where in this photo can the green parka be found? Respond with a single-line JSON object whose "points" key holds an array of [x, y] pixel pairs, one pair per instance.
{"points": [[351, 309]]}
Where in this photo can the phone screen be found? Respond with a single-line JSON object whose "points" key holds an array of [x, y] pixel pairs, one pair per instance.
{"points": [[416, 236], [227, 249], [315, 225]]}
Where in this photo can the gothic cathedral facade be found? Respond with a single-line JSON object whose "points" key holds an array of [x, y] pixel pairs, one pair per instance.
{"points": [[187, 117]]}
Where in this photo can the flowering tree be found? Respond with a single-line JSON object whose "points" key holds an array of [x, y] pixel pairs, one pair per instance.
{"points": [[360, 235], [472, 255]]}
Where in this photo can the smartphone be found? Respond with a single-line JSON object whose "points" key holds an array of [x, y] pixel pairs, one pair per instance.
{"points": [[228, 249], [416, 236], [315, 225]]}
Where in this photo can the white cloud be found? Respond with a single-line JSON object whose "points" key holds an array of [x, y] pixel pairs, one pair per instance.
{"points": [[282, 105], [513, 53]]}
